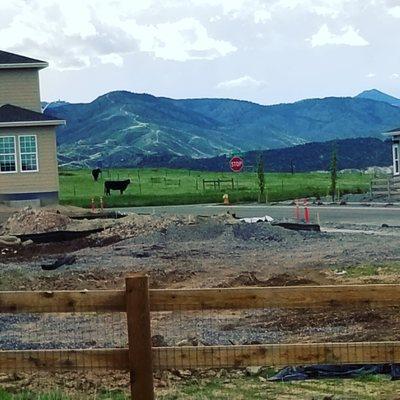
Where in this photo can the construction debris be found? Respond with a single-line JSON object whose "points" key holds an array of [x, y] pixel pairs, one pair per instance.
{"points": [[30, 220], [68, 259], [8, 240], [253, 220]]}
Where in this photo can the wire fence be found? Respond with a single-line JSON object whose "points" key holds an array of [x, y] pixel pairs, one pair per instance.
{"points": [[179, 329], [199, 328], [62, 331]]}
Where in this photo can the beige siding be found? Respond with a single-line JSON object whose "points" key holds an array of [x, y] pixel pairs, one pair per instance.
{"points": [[20, 87], [46, 179]]}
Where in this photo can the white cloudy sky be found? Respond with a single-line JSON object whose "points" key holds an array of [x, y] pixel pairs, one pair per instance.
{"points": [[266, 51]]}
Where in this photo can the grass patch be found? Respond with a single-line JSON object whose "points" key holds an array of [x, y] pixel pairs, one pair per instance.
{"points": [[26, 395], [156, 187], [365, 270], [251, 388], [247, 388]]}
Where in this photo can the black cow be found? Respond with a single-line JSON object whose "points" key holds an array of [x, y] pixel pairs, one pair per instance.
{"points": [[95, 173], [116, 185]]}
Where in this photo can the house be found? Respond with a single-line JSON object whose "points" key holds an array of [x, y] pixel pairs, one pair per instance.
{"points": [[395, 134], [28, 153]]}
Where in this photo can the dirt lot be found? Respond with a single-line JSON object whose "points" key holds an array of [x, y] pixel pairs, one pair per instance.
{"points": [[189, 251], [197, 252]]}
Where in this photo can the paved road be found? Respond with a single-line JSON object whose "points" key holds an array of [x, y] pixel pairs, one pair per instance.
{"points": [[360, 215]]}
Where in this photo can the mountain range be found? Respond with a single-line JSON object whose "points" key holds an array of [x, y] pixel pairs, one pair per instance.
{"points": [[359, 153], [123, 128]]}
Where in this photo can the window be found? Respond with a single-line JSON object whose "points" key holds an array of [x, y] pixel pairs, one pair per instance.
{"points": [[7, 154], [28, 153]]}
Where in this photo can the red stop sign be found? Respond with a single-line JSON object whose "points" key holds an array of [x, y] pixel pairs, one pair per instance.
{"points": [[236, 163]]}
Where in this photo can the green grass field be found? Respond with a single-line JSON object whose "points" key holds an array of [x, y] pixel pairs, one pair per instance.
{"points": [[168, 187], [369, 387]]}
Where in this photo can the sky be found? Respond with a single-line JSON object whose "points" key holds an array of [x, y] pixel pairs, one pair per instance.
{"points": [[265, 51]]}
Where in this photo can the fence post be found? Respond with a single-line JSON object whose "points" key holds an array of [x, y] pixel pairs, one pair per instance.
{"points": [[139, 335], [140, 183]]}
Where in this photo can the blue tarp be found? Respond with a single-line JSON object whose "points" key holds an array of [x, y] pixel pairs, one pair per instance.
{"points": [[336, 371]]}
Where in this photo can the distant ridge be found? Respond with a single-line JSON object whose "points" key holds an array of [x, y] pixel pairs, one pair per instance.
{"points": [[359, 153], [377, 95]]}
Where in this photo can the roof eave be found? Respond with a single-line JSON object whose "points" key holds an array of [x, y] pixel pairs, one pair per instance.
{"points": [[55, 122], [36, 65], [394, 133]]}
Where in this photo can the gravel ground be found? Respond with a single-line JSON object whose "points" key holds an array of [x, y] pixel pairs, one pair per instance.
{"points": [[201, 252], [198, 252]]}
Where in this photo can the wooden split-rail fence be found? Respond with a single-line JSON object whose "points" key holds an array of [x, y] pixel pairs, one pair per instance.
{"points": [[141, 359], [385, 187]]}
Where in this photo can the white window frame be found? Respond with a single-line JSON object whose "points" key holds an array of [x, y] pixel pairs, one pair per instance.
{"points": [[7, 154], [20, 154], [396, 160]]}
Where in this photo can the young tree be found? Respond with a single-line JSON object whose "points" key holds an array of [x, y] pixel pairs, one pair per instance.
{"points": [[333, 169], [261, 179]]}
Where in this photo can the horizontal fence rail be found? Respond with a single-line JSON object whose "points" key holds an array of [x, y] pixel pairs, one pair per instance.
{"points": [[64, 360], [277, 355], [382, 295], [206, 356], [280, 297], [63, 301]]}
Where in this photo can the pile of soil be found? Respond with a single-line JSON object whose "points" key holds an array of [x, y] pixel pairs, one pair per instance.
{"points": [[29, 220], [249, 278], [135, 225], [263, 232], [131, 226]]}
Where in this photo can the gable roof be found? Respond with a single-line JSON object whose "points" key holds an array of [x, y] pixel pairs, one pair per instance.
{"points": [[11, 60], [393, 132], [13, 116]]}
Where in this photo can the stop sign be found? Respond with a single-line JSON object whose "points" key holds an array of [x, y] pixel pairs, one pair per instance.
{"points": [[236, 163]]}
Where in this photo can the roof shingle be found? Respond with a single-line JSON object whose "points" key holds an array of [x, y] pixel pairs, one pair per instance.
{"points": [[11, 114], [11, 58]]}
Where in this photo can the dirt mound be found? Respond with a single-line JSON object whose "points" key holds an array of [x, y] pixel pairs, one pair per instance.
{"points": [[134, 225], [263, 232], [172, 227], [30, 220], [161, 278], [70, 211], [288, 280], [244, 279], [250, 279]]}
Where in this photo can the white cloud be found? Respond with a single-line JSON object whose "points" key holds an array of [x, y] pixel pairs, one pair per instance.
{"points": [[324, 8], [186, 39], [348, 37], [245, 81], [232, 8], [395, 76], [102, 32], [394, 11], [370, 75], [257, 11], [112, 58], [261, 16]]}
